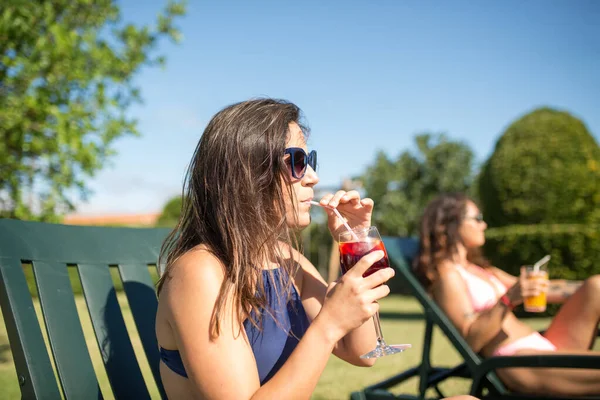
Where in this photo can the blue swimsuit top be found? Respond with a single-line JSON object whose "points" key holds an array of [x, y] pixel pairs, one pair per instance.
{"points": [[282, 327]]}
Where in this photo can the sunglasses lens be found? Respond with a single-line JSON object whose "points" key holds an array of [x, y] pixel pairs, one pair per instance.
{"points": [[298, 164], [312, 160]]}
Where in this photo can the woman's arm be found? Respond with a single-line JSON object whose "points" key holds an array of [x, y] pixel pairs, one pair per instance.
{"points": [[224, 367], [341, 303], [560, 290], [357, 342], [479, 328], [451, 294], [507, 279], [357, 213]]}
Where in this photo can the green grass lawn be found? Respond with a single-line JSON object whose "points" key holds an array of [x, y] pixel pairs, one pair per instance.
{"points": [[401, 323]]}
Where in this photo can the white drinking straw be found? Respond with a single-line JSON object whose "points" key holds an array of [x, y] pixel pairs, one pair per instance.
{"points": [[542, 261], [339, 216]]}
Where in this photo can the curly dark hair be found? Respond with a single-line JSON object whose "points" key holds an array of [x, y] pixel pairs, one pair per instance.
{"points": [[439, 236]]}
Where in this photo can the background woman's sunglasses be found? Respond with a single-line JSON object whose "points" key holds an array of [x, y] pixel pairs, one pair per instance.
{"points": [[299, 160], [478, 217]]}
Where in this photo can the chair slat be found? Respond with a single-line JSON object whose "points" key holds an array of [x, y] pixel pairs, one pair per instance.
{"points": [[32, 362], [71, 356], [111, 332], [141, 296], [27, 240]]}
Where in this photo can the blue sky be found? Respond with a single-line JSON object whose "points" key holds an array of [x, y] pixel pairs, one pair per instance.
{"points": [[368, 74]]}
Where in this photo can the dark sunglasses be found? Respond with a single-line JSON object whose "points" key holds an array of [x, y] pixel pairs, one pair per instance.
{"points": [[299, 160], [478, 217]]}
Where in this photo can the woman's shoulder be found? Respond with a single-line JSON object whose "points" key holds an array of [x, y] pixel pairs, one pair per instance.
{"points": [[449, 276], [449, 267], [191, 288], [198, 272], [198, 260]]}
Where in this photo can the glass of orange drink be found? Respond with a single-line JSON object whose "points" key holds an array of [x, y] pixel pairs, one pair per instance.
{"points": [[536, 303]]}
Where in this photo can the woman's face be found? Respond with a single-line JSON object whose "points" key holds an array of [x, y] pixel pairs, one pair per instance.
{"points": [[302, 189], [472, 228]]}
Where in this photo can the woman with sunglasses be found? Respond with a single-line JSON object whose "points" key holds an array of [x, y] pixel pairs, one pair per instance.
{"points": [[242, 314], [479, 299]]}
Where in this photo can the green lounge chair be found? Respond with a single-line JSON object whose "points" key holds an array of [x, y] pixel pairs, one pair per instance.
{"points": [[481, 372], [52, 249]]}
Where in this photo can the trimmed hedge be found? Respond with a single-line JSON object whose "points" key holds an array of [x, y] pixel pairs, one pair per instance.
{"points": [[574, 248], [545, 169]]}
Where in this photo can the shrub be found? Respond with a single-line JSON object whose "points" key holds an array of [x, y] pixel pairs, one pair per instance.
{"points": [[544, 169], [574, 248], [170, 213]]}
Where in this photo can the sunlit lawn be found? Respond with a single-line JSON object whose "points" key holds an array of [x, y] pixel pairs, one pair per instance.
{"points": [[401, 323]]}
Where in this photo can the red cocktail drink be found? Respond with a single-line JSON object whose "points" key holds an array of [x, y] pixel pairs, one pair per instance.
{"points": [[352, 252]]}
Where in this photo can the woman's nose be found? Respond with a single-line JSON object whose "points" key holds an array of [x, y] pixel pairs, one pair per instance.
{"points": [[310, 177]]}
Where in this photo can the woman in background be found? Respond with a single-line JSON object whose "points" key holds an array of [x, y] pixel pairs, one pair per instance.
{"points": [[479, 299]]}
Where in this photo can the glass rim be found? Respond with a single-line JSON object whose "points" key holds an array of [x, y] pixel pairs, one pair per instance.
{"points": [[530, 266], [542, 269], [350, 234]]}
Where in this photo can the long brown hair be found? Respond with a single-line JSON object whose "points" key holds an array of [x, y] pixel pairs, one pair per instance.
{"points": [[234, 202], [439, 236]]}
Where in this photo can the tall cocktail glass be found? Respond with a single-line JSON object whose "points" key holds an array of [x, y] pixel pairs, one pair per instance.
{"points": [[354, 245]]}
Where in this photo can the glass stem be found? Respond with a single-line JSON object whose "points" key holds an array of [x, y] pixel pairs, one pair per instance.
{"points": [[380, 341]]}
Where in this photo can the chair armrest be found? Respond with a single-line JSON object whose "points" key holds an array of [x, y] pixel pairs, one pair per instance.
{"points": [[533, 361], [540, 361], [542, 331]]}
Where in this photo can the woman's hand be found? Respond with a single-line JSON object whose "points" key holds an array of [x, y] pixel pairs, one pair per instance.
{"points": [[526, 288], [357, 211], [352, 299]]}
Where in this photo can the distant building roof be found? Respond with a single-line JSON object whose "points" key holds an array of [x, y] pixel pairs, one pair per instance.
{"points": [[112, 219]]}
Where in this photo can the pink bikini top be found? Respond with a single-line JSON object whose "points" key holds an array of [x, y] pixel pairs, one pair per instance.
{"points": [[484, 294]]}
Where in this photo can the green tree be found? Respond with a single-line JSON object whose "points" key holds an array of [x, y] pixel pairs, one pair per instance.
{"points": [[402, 188], [170, 213], [545, 168], [67, 71]]}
